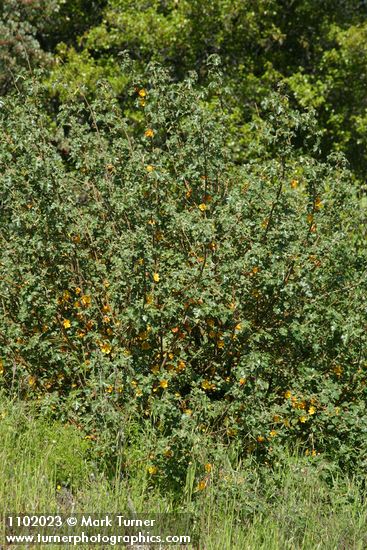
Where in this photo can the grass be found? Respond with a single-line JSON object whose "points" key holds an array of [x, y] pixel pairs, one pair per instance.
{"points": [[49, 467]]}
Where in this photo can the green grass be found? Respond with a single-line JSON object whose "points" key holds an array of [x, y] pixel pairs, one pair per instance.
{"points": [[48, 467]]}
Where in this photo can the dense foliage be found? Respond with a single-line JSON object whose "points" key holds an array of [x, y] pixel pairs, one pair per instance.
{"points": [[317, 50], [183, 235], [143, 268]]}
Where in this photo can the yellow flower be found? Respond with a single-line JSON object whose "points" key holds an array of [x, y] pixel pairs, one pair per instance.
{"points": [[208, 467], [273, 433], [294, 184], [338, 370], [86, 300], [168, 453], [202, 207], [149, 299], [309, 218], [276, 418], [32, 380], [238, 327], [78, 290], [149, 133], [188, 412], [105, 347], [220, 344], [150, 168], [303, 419], [287, 394], [163, 383], [260, 438], [242, 381], [152, 470], [206, 385], [318, 203], [142, 93], [66, 295], [138, 392], [201, 485], [66, 323], [156, 277], [181, 366]]}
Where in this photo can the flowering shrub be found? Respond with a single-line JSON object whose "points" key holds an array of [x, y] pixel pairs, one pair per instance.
{"points": [[142, 270]]}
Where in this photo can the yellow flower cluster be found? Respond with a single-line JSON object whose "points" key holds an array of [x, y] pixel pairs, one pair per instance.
{"points": [[206, 385]]}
